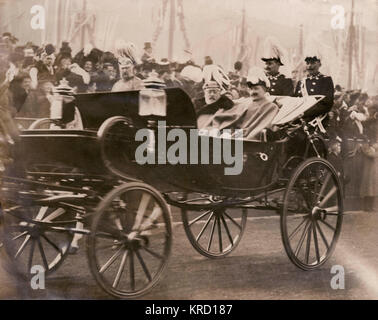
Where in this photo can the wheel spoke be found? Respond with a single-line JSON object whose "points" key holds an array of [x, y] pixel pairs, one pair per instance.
{"points": [[53, 215], [31, 254], [328, 225], [198, 218], [220, 235], [227, 230], [328, 196], [211, 235], [141, 210], [204, 227], [308, 245], [315, 193], [298, 227], [304, 195], [22, 247], [120, 269], [132, 275], [151, 220], [107, 235], [41, 213], [20, 235], [52, 244], [233, 221], [316, 242], [142, 263], [324, 185], [111, 260], [322, 234], [301, 240], [45, 263], [153, 253]]}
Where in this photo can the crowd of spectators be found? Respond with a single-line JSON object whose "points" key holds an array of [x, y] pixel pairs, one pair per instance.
{"points": [[29, 72]]}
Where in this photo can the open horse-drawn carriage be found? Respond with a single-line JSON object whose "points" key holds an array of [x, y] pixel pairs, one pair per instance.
{"points": [[64, 182]]}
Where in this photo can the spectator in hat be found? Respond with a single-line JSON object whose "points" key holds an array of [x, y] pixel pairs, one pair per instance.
{"points": [[208, 61], [236, 74], [167, 75], [43, 69], [9, 41], [19, 89], [147, 56]]}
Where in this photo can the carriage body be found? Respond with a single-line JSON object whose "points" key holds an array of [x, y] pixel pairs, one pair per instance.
{"points": [[88, 151], [64, 177]]}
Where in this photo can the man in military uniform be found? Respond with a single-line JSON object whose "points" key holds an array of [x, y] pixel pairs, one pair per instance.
{"points": [[273, 55], [316, 84], [279, 84]]}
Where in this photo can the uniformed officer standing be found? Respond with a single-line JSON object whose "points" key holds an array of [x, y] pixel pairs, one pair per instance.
{"points": [[273, 55], [316, 84]]}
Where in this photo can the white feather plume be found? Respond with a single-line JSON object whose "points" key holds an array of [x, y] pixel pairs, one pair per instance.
{"points": [[128, 50], [255, 75], [215, 73], [272, 49]]}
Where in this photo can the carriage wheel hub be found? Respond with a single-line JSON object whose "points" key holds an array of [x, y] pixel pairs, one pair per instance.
{"points": [[319, 213]]}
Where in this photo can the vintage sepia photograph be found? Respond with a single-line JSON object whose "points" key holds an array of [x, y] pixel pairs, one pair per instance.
{"points": [[188, 150]]}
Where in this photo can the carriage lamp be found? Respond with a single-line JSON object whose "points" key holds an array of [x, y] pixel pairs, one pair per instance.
{"points": [[63, 93], [153, 99]]}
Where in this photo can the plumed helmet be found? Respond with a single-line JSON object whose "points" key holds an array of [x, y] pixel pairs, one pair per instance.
{"points": [[312, 50], [272, 50], [127, 49], [211, 85], [192, 73], [215, 73], [256, 76]]}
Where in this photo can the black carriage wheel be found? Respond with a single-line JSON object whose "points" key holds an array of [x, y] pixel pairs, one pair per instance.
{"points": [[214, 233], [130, 241], [28, 244], [312, 214]]}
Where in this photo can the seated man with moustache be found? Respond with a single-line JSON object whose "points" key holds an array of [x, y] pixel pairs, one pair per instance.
{"points": [[252, 115]]}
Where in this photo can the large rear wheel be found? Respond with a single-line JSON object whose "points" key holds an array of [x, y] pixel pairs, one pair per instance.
{"points": [[130, 241], [312, 214], [33, 236]]}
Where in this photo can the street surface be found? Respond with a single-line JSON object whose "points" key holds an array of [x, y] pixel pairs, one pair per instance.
{"points": [[257, 269]]}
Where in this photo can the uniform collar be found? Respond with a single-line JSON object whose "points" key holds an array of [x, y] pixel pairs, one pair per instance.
{"points": [[315, 77], [270, 77]]}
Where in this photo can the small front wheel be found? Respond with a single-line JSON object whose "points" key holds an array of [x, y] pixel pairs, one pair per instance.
{"points": [[214, 233]]}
